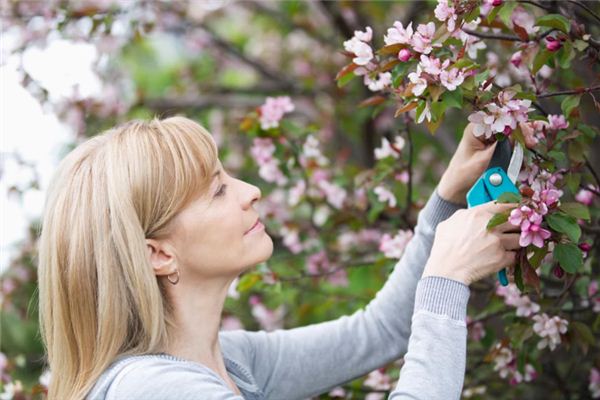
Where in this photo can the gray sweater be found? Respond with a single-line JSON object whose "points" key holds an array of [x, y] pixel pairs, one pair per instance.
{"points": [[306, 361]]}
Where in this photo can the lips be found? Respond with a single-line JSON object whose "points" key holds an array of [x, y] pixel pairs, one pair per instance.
{"points": [[253, 226]]}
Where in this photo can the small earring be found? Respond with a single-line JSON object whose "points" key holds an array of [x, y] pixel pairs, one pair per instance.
{"points": [[174, 282]]}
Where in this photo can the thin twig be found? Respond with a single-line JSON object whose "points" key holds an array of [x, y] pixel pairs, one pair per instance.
{"points": [[499, 36], [589, 166], [586, 8], [572, 91], [533, 3]]}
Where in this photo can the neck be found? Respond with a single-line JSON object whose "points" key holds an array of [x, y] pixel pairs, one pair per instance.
{"points": [[198, 308]]}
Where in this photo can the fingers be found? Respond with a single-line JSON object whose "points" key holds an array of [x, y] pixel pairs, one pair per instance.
{"points": [[511, 259], [495, 208], [510, 241], [507, 227]]}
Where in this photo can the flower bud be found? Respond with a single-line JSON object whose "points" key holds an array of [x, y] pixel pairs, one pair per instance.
{"points": [[558, 272], [552, 44], [404, 55], [507, 130], [496, 3]]}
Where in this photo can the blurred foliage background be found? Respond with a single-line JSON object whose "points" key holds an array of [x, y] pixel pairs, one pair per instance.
{"points": [[92, 64]]}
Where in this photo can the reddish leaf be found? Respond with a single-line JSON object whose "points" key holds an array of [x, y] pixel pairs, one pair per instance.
{"points": [[521, 32], [372, 101], [530, 277], [405, 108], [392, 49], [345, 71], [389, 65]]}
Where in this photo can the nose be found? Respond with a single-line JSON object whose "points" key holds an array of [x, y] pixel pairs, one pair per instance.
{"points": [[252, 194]]}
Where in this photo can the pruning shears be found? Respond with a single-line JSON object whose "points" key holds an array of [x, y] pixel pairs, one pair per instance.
{"points": [[499, 177]]}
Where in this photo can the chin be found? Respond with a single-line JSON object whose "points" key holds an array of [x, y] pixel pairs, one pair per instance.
{"points": [[261, 252]]}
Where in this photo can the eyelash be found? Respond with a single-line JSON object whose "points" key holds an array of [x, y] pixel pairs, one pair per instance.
{"points": [[221, 191]]}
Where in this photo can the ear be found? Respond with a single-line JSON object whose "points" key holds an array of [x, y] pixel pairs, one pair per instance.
{"points": [[162, 257]]}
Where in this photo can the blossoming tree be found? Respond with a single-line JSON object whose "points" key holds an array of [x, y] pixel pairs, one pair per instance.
{"points": [[346, 115]]}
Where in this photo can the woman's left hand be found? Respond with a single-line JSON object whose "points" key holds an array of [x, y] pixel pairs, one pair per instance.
{"points": [[466, 166]]}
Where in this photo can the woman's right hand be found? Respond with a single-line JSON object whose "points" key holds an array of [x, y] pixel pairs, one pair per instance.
{"points": [[466, 251]]}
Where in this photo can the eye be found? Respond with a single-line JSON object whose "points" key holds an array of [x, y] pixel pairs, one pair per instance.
{"points": [[221, 191]]}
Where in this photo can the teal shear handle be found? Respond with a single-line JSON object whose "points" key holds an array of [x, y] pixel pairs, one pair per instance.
{"points": [[488, 187]]}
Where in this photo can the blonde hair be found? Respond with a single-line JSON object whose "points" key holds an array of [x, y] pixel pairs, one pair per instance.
{"points": [[99, 296]]}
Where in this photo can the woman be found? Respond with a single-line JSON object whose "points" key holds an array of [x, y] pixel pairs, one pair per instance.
{"points": [[143, 233]]}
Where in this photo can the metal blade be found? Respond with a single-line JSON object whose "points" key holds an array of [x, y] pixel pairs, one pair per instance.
{"points": [[501, 156], [516, 161]]}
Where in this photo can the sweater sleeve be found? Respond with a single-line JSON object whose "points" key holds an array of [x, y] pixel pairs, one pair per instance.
{"points": [[306, 361]]}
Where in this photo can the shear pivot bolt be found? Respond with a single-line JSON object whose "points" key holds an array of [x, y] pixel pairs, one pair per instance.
{"points": [[495, 179]]}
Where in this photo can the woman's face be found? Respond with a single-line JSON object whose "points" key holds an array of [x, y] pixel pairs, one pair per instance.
{"points": [[212, 235]]}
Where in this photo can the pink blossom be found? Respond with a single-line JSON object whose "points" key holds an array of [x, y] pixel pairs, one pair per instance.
{"points": [[230, 323], [404, 55], [273, 110], [516, 59], [452, 79], [379, 380], [291, 239], [549, 329], [312, 152], [421, 40], [594, 385], [296, 192], [362, 51], [393, 247], [476, 330], [506, 365], [383, 80], [586, 196], [533, 233], [419, 83], [335, 194], [384, 195], [556, 122], [262, 151], [269, 320], [337, 392], [398, 35], [481, 124], [365, 36], [512, 297], [386, 149], [552, 43], [431, 65], [445, 12]]}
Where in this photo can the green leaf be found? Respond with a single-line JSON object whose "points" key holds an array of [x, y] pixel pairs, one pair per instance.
{"points": [[497, 219], [538, 255], [554, 21], [473, 15], [568, 256], [569, 103], [399, 72], [492, 15], [573, 181], [506, 12], [580, 45], [453, 98], [540, 59], [576, 210], [519, 278], [343, 81], [564, 223], [557, 155], [509, 197], [481, 77], [565, 55]]}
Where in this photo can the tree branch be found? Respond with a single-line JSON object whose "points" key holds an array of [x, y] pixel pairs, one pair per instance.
{"points": [[498, 36], [586, 8], [572, 91]]}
